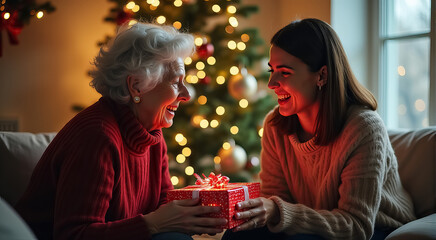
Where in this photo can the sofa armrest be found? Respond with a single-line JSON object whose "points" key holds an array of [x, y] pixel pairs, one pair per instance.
{"points": [[421, 229], [416, 154], [12, 226]]}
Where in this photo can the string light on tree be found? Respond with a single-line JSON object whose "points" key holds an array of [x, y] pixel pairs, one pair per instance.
{"points": [[186, 152], [179, 137], [243, 103], [188, 61], [40, 14], [231, 45], [245, 37], [216, 8], [200, 65], [220, 110], [183, 142], [189, 170], [214, 123], [220, 80], [178, 3], [234, 70], [177, 25], [234, 130], [161, 19], [196, 119], [201, 74], [211, 60], [260, 132], [233, 21], [241, 46], [180, 158], [204, 123], [231, 9], [229, 29], [202, 100], [174, 180]]}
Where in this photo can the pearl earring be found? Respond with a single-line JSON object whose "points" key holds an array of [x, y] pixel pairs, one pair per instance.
{"points": [[319, 87], [137, 99]]}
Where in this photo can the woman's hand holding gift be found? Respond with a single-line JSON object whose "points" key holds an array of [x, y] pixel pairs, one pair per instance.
{"points": [[258, 211], [184, 216]]}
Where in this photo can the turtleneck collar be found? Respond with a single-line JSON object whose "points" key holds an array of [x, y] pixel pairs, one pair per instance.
{"points": [[305, 147], [135, 136]]}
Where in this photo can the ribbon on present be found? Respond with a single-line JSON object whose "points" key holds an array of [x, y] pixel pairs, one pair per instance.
{"points": [[215, 181]]}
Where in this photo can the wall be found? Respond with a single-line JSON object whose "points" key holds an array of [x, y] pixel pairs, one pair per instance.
{"points": [[349, 19], [275, 14], [43, 76]]}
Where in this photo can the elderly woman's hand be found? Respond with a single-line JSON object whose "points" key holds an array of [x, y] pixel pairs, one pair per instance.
{"points": [[184, 216], [259, 211]]}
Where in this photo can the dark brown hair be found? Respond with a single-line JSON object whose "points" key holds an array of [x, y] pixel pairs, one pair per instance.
{"points": [[316, 44]]}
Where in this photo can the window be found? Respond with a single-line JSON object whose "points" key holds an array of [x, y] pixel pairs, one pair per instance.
{"points": [[407, 50]]}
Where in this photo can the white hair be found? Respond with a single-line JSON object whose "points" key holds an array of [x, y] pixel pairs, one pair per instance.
{"points": [[144, 51]]}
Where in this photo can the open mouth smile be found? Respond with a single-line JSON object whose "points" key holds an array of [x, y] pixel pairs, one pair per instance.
{"points": [[283, 97], [172, 109]]}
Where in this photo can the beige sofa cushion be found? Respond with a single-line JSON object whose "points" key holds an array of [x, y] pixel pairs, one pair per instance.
{"points": [[19, 153], [416, 154]]}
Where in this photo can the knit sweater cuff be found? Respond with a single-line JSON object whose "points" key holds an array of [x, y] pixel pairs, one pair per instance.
{"points": [[286, 213], [141, 227]]}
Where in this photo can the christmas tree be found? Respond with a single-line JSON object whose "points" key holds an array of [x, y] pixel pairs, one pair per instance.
{"points": [[220, 128]]}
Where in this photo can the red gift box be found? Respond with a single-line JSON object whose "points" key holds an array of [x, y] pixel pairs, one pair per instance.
{"points": [[225, 197]]}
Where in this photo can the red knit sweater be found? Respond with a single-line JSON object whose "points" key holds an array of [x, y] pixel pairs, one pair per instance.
{"points": [[97, 177]]}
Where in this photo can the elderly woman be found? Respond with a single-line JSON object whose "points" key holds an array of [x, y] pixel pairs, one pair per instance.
{"points": [[105, 175], [328, 169]]}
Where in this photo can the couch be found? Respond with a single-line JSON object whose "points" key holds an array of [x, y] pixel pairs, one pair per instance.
{"points": [[415, 151]]}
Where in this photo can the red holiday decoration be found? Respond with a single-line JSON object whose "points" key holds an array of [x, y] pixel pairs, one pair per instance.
{"points": [[15, 14], [206, 50], [216, 191], [123, 17], [13, 27], [206, 80]]}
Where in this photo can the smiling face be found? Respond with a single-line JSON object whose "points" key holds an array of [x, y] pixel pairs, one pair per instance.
{"points": [[295, 86], [158, 106]]}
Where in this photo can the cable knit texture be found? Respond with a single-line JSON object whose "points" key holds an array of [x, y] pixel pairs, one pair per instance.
{"points": [[339, 191], [97, 178]]}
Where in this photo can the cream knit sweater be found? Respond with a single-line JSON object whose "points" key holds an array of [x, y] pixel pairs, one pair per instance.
{"points": [[339, 191]]}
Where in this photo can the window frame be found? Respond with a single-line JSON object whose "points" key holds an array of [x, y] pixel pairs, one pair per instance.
{"points": [[377, 9]]}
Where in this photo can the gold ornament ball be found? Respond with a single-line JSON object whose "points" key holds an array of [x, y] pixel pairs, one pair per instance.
{"points": [[233, 159], [242, 85]]}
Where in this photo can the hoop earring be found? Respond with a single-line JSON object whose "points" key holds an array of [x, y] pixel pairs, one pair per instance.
{"points": [[136, 99]]}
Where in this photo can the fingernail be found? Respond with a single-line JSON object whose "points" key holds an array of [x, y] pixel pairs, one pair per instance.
{"points": [[238, 205], [238, 215]]}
